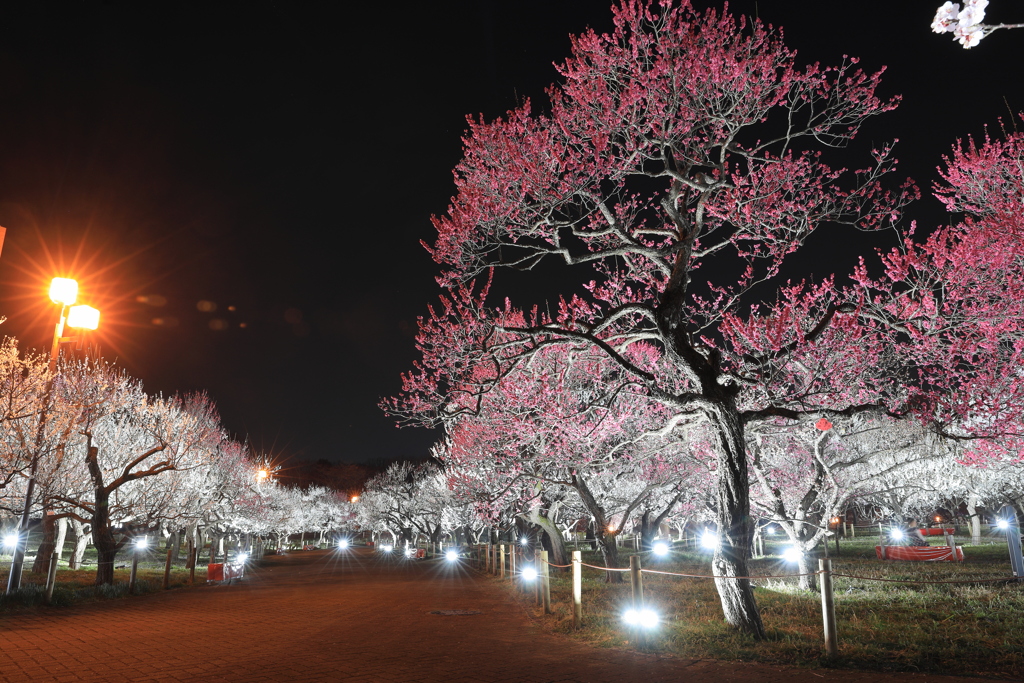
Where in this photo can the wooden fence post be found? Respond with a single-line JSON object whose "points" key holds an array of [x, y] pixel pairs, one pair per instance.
{"points": [[637, 582], [512, 563], [545, 581], [577, 589], [172, 550], [51, 576], [135, 570], [502, 561], [828, 609], [537, 581]]}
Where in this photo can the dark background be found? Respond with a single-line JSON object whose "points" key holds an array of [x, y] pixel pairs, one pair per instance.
{"points": [[285, 160]]}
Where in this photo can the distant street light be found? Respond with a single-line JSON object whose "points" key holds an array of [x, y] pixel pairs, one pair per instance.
{"points": [[63, 291]]}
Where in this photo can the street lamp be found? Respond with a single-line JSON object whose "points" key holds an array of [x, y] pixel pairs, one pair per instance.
{"points": [[63, 291]]}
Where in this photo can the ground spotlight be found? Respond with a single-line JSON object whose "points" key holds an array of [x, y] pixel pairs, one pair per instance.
{"points": [[387, 548], [10, 540], [408, 552], [241, 558], [524, 541], [1002, 524], [896, 534], [641, 617], [792, 554], [141, 542], [709, 540], [529, 574], [343, 543], [451, 556], [660, 549]]}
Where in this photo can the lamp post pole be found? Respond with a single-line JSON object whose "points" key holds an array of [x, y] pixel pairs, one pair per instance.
{"points": [[63, 292]]}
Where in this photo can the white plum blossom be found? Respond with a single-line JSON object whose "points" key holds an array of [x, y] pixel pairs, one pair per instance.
{"points": [[946, 18], [972, 14], [966, 24], [969, 36]]}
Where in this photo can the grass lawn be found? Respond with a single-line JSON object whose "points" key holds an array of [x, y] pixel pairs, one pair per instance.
{"points": [[75, 586], [973, 629]]}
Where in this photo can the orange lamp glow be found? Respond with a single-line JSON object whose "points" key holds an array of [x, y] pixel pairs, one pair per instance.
{"points": [[83, 317], [262, 474], [63, 291]]}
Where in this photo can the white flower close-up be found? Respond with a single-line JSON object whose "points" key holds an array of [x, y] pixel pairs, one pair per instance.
{"points": [[946, 18]]}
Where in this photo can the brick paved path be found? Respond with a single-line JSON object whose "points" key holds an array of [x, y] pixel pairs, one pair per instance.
{"points": [[314, 617]]}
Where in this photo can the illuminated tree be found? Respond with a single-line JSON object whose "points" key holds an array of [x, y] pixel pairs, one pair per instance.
{"points": [[125, 440], [680, 162]]}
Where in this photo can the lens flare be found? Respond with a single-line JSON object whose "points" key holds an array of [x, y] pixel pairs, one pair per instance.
{"points": [[529, 573], [660, 549], [644, 618]]}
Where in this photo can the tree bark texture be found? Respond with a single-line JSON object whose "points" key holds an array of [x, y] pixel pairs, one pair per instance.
{"points": [[42, 561], [735, 526]]}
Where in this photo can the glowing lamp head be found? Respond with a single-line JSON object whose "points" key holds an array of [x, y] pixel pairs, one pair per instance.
{"points": [[1003, 524], [387, 548], [63, 290], [770, 530], [408, 552], [242, 558], [355, 499], [529, 574], [643, 618], [660, 549], [10, 540], [343, 543], [451, 556], [524, 541], [896, 534], [262, 474], [83, 317], [141, 542], [938, 518], [709, 540], [792, 555]]}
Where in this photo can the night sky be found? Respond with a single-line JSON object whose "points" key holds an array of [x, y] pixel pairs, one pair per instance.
{"points": [[242, 190]]}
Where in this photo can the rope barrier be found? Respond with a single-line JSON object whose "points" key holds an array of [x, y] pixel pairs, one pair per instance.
{"points": [[606, 569], [714, 576], [871, 578], [783, 576]]}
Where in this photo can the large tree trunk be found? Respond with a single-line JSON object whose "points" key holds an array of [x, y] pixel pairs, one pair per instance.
{"points": [[62, 535], [556, 542], [103, 538], [83, 537], [975, 506], [735, 526], [45, 550], [606, 537]]}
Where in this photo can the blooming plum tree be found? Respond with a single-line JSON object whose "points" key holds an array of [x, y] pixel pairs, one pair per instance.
{"points": [[681, 161]]}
